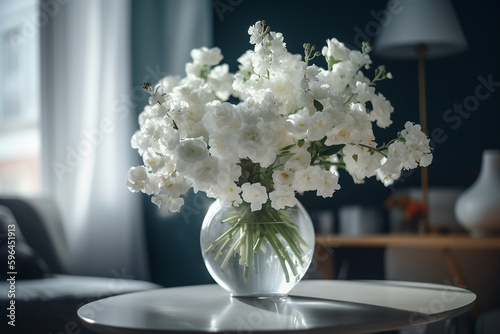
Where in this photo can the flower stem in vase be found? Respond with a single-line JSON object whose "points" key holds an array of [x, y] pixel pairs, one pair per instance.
{"points": [[252, 231]]}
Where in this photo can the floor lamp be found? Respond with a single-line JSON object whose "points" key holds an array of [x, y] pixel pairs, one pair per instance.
{"points": [[420, 30]]}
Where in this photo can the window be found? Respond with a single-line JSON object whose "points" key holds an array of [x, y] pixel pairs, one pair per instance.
{"points": [[19, 97]]}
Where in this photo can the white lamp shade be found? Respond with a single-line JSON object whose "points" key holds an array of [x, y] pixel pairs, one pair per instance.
{"points": [[429, 22]]}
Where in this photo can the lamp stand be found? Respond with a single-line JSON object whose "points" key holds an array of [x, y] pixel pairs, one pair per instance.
{"points": [[424, 228]]}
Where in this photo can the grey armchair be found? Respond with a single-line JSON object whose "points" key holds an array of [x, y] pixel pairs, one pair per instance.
{"points": [[47, 296]]}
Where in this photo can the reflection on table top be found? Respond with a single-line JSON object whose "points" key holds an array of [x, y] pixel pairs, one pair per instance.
{"points": [[314, 306]]}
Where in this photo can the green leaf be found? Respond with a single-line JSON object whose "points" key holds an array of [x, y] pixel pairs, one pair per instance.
{"points": [[318, 105], [330, 150], [286, 148], [245, 175], [284, 153], [311, 147], [301, 142]]}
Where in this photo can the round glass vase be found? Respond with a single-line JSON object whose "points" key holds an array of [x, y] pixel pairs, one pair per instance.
{"points": [[263, 253]]}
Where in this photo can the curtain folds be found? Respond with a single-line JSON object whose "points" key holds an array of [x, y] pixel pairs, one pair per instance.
{"points": [[95, 55], [87, 121]]}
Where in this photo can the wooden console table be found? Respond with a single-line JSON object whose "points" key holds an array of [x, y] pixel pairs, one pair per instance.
{"points": [[325, 242]]}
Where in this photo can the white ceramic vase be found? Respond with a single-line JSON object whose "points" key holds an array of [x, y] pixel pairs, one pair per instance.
{"points": [[478, 208]]}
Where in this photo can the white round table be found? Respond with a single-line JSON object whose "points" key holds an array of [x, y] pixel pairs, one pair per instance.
{"points": [[313, 306]]}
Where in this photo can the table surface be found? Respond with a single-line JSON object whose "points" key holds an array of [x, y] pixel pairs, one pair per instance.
{"points": [[409, 240], [313, 306]]}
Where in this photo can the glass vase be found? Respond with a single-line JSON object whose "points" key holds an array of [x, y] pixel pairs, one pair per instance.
{"points": [[263, 253]]}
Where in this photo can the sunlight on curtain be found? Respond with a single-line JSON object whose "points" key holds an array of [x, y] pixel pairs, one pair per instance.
{"points": [[88, 119]]}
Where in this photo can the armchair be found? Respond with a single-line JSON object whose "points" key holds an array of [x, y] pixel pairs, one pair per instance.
{"points": [[47, 296]]}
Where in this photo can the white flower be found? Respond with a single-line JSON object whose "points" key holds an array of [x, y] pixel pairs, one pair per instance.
{"points": [[329, 185], [245, 61], [223, 145], [307, 179], [299, 160], [364, 92], [425, 160], [298, 124], [140, 180], [219, 115], [340, 77], [418, 146], [168, 83], [171, 204], [283, 178], [393, 164], [283, 88], [382, 110], [137, 178], [192, 150], [230, 194], [390, 171], [158, 96], [221, 81], [256, 32], [359, 59], [321, 122], [154, 161], [204, 175], [174, 186], [206, 56], [255, 194], [318, 90], [194, 69], [361, 162], [282, 197], [335, 50], [258, 143], [351, 126], [414, 136]]}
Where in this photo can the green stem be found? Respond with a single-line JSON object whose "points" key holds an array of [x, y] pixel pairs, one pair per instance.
{"points": [[249, 241], [232, 219], [231, 251], [248, 233], [281, 258], [260, 240], [222, 237], [283, 251], [224, 246], [243, 248], [296, 236], [295, 248], [373, 149]]}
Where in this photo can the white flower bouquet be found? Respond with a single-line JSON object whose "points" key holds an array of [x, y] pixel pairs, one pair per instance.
{"points": [[294, 125]]}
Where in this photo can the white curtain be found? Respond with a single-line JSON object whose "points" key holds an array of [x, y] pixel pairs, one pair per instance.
{"points": [[88, 119], [89, 115]]}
